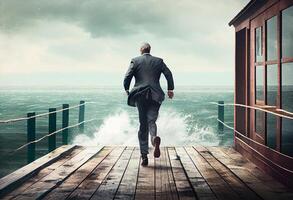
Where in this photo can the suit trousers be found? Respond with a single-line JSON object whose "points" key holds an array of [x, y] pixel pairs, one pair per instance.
{"points": [[148, 111]]}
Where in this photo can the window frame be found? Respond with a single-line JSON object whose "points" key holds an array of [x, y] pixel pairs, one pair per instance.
{"points": [[282, 60], [261, 20]]}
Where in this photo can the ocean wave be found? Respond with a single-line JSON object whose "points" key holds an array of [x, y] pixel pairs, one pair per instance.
{"points": [[174, 128]]}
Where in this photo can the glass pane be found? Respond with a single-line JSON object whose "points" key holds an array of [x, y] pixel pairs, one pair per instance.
{"points": [[287, 32], [271, 131], [287, 137], [287, 87], [259, 122], [272, 39], [272, 84], [258, 44], [259, 82]]}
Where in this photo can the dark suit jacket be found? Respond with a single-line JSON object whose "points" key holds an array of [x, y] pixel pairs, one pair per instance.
{"points": [[147, 71]]}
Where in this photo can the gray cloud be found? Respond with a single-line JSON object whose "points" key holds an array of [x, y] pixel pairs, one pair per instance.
{"points": [[56, 35], [98, 17], [118, 18]]}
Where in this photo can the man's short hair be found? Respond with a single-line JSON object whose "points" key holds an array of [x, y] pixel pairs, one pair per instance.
{"points": [[145, 47]]}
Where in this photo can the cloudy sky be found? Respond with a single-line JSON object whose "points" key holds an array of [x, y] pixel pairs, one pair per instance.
{"points": [[90, 42]]}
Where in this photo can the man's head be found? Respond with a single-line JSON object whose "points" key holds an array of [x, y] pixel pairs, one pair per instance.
{"points": [[145, 48]]}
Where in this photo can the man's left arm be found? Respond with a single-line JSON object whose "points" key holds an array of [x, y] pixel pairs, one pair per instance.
{"points": [[128, 76]]}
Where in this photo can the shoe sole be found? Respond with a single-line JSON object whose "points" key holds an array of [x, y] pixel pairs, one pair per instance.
{"points": [[157, 141]]}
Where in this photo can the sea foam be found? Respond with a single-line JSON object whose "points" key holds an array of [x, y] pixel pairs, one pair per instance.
{"points": [[174, 129]]}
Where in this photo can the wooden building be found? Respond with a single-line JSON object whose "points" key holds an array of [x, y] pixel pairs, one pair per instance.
{"points": [[264, 80]]}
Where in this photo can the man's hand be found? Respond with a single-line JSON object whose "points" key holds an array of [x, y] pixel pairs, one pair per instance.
{"points": [[170, 94], [127, 92]]}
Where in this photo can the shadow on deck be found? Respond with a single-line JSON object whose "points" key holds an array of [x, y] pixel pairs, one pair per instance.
{"points": [[114, 172]]}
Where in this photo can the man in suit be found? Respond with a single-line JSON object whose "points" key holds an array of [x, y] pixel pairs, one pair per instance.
{"points": [[147, 95]]}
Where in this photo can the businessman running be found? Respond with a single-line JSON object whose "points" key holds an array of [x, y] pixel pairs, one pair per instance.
{"points": [[147, 95]]}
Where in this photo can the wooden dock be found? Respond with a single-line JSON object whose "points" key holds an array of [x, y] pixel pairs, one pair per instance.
{"points": [[114, 172]]}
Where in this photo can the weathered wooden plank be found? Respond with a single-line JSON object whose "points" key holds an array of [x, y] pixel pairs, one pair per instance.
{"points": [[257, 172], [200, 186], [161, 177], [87, 188], [162, 182], [158, 178], [264, 185], [72, 182], [145, 187], [173, 194], [207, 172], [48, 183], [221, 189], [42, 173], [110, 184], [14, 179], [236, 184], [126, 189], [183, 186]]}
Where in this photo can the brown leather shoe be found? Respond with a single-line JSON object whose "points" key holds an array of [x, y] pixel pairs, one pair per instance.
{"points": [[157, 142]]}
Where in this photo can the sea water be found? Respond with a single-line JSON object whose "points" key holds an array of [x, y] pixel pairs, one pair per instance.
{"points": [[188, 119]]}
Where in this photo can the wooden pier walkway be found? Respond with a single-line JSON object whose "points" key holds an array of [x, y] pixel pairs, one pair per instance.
{"points": [[114, 172]]}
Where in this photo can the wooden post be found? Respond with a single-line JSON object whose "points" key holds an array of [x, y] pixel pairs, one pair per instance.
{"points": [[221, 116], [31, 136], [81, 116], [65, 123], [52, 128]]}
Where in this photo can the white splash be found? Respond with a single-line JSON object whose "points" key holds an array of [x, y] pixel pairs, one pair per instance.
{"points": [[119, 129]]}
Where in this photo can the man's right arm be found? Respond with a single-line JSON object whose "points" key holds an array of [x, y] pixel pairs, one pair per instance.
{"points": [[128, 76], [168, 74]]}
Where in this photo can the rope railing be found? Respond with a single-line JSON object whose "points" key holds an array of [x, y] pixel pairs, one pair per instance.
{"points": [[231, 128], [244, 136], [215, 103], [43, 114], [31, 118], [52, 116], [256, 108], [53, 133]]}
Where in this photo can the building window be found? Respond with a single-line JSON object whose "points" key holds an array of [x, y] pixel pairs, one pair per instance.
{"points": [[259, 122], [272, 84], [273, 67], [259, 84], [287, 80], [258, 44], [271, 39], [287, 33], [271, 131], [287, 87], [287, 137]]}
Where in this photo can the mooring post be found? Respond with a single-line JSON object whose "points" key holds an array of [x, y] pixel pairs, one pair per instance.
{"points": [[221, 116], [31, 136], [52, 128], [81, 115], [65, 123]]}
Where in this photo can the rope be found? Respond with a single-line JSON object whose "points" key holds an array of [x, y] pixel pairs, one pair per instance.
{"points": [[43, 114], [257, 108], [53, 133], [251, 140], [231, 128]]}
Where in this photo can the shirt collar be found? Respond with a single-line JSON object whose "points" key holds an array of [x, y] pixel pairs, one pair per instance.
{"points": [[146, 54]]}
